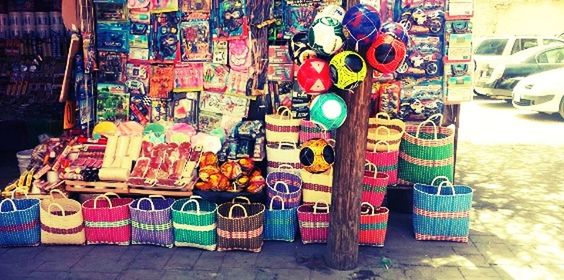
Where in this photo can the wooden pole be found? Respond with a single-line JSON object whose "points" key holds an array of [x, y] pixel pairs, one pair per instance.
{"points": [[347, 177]]}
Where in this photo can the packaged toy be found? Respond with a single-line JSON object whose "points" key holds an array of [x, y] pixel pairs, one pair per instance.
{"points": [[161, 81], [111, 67], [189, 77], [195, 38], [165, 44], [423, 16], [424, 58], [421, 98], [112, 36], [233, 20], [112, 103]]}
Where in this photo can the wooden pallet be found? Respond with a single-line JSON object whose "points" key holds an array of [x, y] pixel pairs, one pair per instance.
{"points": [[96, 187], [174, 193]]}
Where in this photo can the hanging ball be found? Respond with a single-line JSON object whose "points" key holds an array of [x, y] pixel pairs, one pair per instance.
{"points": [[386, 54], [314, 76], [397, 30], [328, 111], [361, 25], [317, 156], [298, 48], [326, 36], [332, 11], [348, 70]]}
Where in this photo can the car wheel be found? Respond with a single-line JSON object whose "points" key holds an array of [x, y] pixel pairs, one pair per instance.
{"points": [[561, 111]]}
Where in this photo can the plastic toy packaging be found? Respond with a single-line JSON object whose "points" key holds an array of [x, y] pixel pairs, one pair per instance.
{"points": [[459, 40], [162, 6], [189, 77], [278, 12], [458, 83], [139, 72], [160, 109], [299, 17], [208, 121], [112, 103], [233, 21], [161, 81], [140, 29], [195, 6], [215, 77], [195, 38], [223, 104], [389, 98], [185, 107], [112, 36], [219, 51], [384, 7], [423, 16], [240, 54], [424, 58], [111, 11], [111, 67], [138, 4], [460, 8], [421, 98], [140, 108], [237, 82], [165, 45]]}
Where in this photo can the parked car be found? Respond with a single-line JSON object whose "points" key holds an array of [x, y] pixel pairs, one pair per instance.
{"points": [[498, 80], [542, 92], [495, 50]]}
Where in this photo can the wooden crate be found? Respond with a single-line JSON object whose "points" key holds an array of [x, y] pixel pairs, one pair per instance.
{"points": [[97, 187], [174, 193]]}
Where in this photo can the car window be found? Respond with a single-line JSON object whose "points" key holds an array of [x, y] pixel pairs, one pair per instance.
{"points": [[528, 43], [491, 47], [554, 56], [551, 41], [516, 46]]}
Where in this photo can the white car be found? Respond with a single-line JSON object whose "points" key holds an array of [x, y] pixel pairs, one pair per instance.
{"points": [[542, 92]]}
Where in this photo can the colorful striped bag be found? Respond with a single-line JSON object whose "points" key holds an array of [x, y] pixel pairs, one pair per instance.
{"points": [[443, 212], [194, 223], [280, 224], [107, 221], [281, 154], [281, 127], [61, 220], [19, 222], [314, 225], [286, 185], [316, 187], [374, 185], [384, 129], [310, 130], [151, 221], [240, 226], [386, 161], [373, 225]]}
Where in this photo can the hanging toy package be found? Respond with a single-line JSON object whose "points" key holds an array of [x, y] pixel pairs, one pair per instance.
{"points": [[140, 108], [162, 6], [111, 67], [185, 107], [165, 45], [233, 21], [195, 38], [189, 77], [112, 103], [162, 81], [112, 36]]}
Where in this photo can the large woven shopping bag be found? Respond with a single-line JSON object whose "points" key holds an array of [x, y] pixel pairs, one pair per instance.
{"points": [[280, 224], [282, 154], [240, 226], [61, 220], [386, 161], [107, 220], [316, 186], [194, 222], [285, 184], [314, 222], [19, 222], [281, 127], [443, 212], [373, 225], [151, 221], [374, 185], [383, 128], [426, 152], [310, 130]]}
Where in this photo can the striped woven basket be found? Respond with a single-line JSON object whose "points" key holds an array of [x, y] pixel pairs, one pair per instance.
{"points": [[286, 185], [374, 185], [280, 224], [151, 221], [281, 127], [386, 161], [314, 222], [442, 213], [426, 152], [61, 220], [310, 130], [194, 223], [107, 221], [281, 154], [240, 226], [19, 222], [384, 129], [316, 187], [373, 225]]}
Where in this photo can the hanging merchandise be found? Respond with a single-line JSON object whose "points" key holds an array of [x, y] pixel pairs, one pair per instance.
{"points": [[361, 25], [189, 77], [161, 81], [240, 226], [385, 161], [223, 104], [280, 224], [239, 54], [111, 67], [299, 49], [333, 11], [309, 130], [282, 153], [328, 110], [383, 128], [138, 4], [373, 225], [112, 36], [374, 184], [421, 98], [140, 108], [386, 54], [317, 155], [165, 42], [314, 76], [215, 77], [233, 20], [195, 6], [314, 222], [112, 103], [424, 56], [110, 10], [317, 186], [195, 37], [162, 6], [281, 127], [388, 98], [396, 30], [219, 51], [160, 109], [325, 36], [421, 18], [348, 70], [185, 107], [140, 30]]}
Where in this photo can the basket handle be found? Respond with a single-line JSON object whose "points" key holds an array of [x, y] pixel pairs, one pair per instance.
{"points": [[156, 196], [435, 129], [191, 200], [331, 142], [61, 193], [381, 142], [286, 144], [384, 128], [112, 193], [104, 196], [195, 196], [237, 205], [449, 184], [283, 184], [370, 164], [272, 200], [315, 206], [58, 206], [285, 112], [11, 201], [19, 190], [370, 206], [285, 165], [384, 114], [246, 199], [437, 115], [445, 178], [148, 199]]}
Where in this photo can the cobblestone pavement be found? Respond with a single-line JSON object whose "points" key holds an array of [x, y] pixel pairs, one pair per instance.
{"points": [[516, 230]]}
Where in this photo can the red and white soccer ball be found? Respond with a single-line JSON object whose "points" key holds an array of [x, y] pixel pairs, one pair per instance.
{"points": [[314, 76]]}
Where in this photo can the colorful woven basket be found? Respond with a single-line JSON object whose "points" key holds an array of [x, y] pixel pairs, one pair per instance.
{"points": [[374, 185], [194, 223], [281, 127], [107, 221], [384, 129], [19, 222], [373, 225], [443, 212], [280, 224], [240, 226], [426, 152], [317, 187], [151, 221], [282, 154], [286, 185], [61, 220], [386, 161], [314, 225], [310, 130]]}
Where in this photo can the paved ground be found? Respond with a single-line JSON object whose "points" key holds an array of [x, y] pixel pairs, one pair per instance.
{"points": [[513, 160]]}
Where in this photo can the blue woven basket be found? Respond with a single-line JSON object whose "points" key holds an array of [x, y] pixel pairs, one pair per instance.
{"points": [[280, 224], [19, 222], [284, 183], [151, 221], [442, 212]]}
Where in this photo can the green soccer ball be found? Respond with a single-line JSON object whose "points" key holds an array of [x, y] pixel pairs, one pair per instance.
{"points": [[348, 70], [326, 36]]}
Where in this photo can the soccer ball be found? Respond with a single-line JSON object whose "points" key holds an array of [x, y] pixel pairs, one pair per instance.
{"points": [[328, 111], [348, 70], [298, 48], [326, 36], [317, 156], [386, 54], [332, 11], [397, 30], [314, 76], [360, 25]]}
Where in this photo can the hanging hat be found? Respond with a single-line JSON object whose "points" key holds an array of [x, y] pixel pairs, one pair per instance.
{"points": [[328, 110]]}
